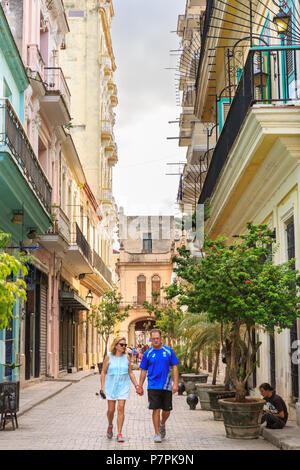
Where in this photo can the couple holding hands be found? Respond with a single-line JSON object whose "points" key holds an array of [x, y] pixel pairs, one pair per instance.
{"points": [[117, 373]]}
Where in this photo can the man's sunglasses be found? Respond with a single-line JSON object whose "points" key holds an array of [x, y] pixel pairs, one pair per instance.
{"points": [[123, 345]]}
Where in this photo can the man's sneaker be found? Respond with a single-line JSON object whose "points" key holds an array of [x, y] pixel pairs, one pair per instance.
{"points": [[120, 438], [162, 429], [109, 433], [157, 438]]}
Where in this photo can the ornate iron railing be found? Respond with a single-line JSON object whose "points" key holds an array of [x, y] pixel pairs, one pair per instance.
{"points": [[79, 239], [12, 135], [269, 77], [99, 264]]}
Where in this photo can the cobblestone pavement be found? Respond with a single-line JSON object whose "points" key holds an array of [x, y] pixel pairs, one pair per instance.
{"points": [[76, 419]]}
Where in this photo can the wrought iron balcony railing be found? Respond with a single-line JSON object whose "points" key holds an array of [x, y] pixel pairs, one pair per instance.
{"points": [[99, 264], [269, 77], [79, 239], [138, 301], [55, 81], [13, 135]]}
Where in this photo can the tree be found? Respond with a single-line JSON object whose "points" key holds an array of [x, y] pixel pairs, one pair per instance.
{"points": [[12, 286], [201, 334], [239, 288], [168, 317], [107, 315]]}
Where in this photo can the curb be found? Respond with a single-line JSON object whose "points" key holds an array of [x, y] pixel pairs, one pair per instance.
{"points": [[283, 439], [30, 407], [74, 380]]}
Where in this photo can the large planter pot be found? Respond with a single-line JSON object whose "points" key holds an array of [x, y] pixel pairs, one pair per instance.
{"points": [[202, 392], [242, 420], [190, 381], [214, 396]]}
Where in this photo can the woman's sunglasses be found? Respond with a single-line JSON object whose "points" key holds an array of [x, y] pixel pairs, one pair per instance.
{"points": [[123, 345]]}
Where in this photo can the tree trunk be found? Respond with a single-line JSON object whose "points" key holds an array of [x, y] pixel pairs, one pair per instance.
{"points": [[105, 349], [227, 377], [240, 394], [198, 362], [216, 365]]}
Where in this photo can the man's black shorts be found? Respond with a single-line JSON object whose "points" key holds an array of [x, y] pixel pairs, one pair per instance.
{"points": [[159, 400]]}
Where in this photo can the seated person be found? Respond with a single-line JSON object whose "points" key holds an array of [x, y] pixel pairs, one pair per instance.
{"points": [[276, 414]]}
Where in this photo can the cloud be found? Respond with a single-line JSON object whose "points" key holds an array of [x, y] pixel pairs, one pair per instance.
{"points": [[142, 40]]}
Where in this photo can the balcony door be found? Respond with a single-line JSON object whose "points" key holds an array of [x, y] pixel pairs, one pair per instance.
{"points": [[141, 289], [156, 285]]}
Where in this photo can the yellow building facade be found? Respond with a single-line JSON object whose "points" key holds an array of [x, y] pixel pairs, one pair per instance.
{"points": [[249, 97], [89, 64], [144, 266]]}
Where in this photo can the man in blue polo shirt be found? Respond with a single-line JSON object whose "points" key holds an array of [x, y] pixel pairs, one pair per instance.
{"points": [[157, 361]]}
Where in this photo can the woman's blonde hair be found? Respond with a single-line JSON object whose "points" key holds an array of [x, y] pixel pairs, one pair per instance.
{"points": [[113, 347]]}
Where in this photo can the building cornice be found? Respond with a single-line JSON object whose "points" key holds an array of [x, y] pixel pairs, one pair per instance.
{"points": [[107, 34]]}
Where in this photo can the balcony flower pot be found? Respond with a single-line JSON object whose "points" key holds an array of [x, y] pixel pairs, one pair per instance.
{"points": [[190, 381], [242, 419], [202, 392], [214, 396]]}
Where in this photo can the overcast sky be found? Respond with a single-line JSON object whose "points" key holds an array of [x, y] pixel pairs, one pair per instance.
{"points": [[142, 39]]}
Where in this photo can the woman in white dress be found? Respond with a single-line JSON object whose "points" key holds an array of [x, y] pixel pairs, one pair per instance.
{"points": [[115, 383]]}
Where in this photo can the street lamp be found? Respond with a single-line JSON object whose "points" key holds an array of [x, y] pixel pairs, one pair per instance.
{"points": [[260, 78], [282, 21], [89, 298]]}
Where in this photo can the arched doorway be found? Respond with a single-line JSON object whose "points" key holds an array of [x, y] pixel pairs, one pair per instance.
{"points": [[142, 330]]}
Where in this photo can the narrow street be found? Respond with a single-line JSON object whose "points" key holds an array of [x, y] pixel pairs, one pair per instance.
{"points": [[75, 419]]}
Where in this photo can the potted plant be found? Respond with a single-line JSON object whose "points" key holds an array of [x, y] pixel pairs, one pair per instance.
{"points": [[238, 286], [12, 287], [200, 333]]}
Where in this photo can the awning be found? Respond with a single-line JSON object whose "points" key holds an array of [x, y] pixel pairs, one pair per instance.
{"points": [[72, 300]]}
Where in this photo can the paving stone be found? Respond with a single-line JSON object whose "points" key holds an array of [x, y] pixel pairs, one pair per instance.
{"points": [[76, 419]]}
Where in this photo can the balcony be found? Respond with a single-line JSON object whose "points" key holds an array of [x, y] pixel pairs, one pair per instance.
{"points": [[56, 102], [58, 238], [114, 99], [112, 159], [277, 92], [145, 258], [185, 137], [138, 302], [107, 133], [180, 25], [188, 99], [99, 264], [79, 254], [34, 59], [14, 141], [107, 196]]}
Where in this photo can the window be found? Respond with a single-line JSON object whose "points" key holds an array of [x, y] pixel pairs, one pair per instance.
{"points": [[141, 289], [156, 285], [76, 14], [147, 243]]}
